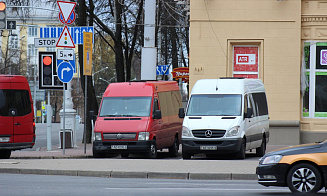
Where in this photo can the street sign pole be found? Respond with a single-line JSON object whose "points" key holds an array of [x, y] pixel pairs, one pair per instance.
{"points": [[85, 113], [65, 69], [64, 131]]}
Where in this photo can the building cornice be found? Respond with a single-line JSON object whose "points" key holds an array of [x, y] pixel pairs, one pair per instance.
{"points": [[314, 18]]}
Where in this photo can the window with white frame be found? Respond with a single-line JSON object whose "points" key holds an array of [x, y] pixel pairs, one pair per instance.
{"points": [[32, 31], [32, 50], [13, 42], [314, 102], [50, 49]]}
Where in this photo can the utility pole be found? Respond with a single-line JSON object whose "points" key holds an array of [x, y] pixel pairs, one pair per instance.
{"points": [[149, 51]]}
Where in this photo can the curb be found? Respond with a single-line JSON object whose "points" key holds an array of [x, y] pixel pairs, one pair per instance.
{"points": [[122, 174]]}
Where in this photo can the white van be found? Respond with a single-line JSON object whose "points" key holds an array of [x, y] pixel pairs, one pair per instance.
{"points": [[226, 116]]}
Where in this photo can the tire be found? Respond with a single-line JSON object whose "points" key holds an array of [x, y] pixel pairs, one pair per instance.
{"points": [[124, 155], [304, 178], [262, 149], [173, 150], [152, 154], [241, 153], [97, 154], [5, 154]]}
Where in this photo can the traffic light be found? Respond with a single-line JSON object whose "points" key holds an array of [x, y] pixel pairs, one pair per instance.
{"points": [[47, 66], [3, 20], [48, 77]]}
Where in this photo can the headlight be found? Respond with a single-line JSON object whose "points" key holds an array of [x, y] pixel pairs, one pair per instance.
{"points": [[4, 139], [272, 159], [144, 136], [186, 132], [233, 131], [97, 136]]}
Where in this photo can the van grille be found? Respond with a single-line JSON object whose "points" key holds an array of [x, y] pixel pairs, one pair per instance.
{"points": [[208, 133], [119, 136]]}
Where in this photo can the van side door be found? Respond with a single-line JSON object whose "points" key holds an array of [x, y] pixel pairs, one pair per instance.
{"points": [[250, 127], [6, 120], [156, 124], [22, 113]]}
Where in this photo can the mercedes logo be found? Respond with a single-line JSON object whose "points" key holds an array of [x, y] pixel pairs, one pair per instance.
{"points": [[119, 136], [208, 133]]}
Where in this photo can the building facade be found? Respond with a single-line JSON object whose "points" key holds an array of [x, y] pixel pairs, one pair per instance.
{"points": [[282, 42]]}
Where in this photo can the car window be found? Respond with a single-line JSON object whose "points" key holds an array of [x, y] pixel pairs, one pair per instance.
{"points": [[18, 100]]}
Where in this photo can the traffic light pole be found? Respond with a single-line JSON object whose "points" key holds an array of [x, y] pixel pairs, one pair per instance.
{"points": [[49, 123]]}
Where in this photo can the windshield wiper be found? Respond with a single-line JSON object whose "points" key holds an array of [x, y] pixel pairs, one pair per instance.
{"points": [[109, 115], [129, 115]]}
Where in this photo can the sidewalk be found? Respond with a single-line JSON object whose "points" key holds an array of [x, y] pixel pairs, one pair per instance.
{"points": [[75, 163]]}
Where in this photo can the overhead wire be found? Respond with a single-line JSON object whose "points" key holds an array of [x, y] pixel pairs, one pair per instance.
{"points": [[216, 36]]}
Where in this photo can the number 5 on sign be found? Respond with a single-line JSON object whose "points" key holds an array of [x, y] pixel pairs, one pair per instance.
{"points": [[87, 53]]}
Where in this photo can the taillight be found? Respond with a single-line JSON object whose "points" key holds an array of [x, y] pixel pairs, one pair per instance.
{"points": [[34, 124]]}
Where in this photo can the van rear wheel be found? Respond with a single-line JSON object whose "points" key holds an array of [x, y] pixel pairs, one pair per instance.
{"points": [[5, 154], [173, 150]]}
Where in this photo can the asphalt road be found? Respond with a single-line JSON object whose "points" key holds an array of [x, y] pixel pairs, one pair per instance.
{"points": [[19, 184]]}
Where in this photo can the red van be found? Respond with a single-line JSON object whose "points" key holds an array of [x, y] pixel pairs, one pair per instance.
{"points": [[17, 122], [138, 117]]}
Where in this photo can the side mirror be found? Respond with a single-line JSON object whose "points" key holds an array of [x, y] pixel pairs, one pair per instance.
{"points": [[157, 114], [181, 113], [92, 116], [249, 113]]}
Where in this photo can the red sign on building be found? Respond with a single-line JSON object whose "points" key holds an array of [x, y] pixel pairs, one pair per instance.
{"points": [[181, 72], [246, 60]]}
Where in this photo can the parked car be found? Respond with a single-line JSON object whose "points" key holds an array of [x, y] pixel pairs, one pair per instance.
{"points": [[17, 121], [226, 116], [138, 117], [302, 168]]}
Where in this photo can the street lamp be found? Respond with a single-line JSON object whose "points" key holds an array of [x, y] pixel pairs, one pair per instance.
{"points": [[104, 80], [107, 80], [98, 72]]}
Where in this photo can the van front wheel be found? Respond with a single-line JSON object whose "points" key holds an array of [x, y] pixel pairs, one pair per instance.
{"points": [[186, 155], [262, 149], [241, 153], [5, 154], [152, 154], [97, 154]]}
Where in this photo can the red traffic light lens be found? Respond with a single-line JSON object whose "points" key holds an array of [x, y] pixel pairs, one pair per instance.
{"points": [[2, 6], [47, 60]]}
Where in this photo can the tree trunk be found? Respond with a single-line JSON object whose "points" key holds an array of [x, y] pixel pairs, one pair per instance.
{"points": [[91, 98], [118, 44]]}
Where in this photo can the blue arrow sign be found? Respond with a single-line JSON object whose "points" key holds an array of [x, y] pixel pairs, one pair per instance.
{"points": [[161, 69], [72, 62], [65, 72], [75, 32]]}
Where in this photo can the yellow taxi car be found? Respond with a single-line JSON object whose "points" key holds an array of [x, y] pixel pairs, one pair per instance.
{"points": [[302, 168]]}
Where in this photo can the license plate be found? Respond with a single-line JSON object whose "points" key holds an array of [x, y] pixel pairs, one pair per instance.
{"points": [[118, 147], [208, 147]]}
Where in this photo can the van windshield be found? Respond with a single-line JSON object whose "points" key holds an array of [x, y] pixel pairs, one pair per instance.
{"points": [[215, 105], [125, 106]]}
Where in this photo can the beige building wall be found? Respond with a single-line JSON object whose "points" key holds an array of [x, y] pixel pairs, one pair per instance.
{"points": [[314, 29], [275, 26]]}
